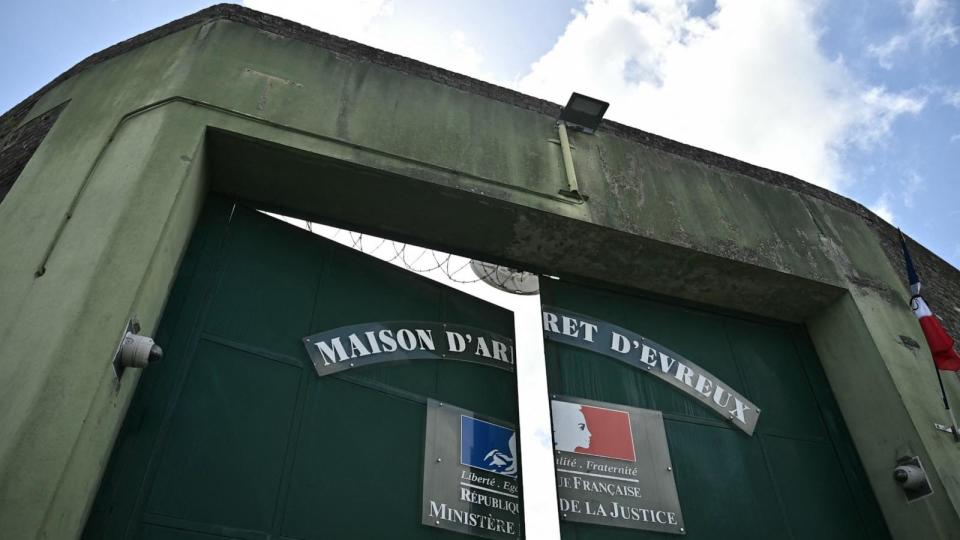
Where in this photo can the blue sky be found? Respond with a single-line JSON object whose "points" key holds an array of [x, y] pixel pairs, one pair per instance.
{"points": [[859, 96]]}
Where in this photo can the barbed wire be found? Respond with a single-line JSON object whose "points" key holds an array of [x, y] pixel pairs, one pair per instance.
{"points": [[455, 268]]}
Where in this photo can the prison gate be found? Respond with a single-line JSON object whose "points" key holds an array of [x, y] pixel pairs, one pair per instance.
{"points": [[234, 435]]}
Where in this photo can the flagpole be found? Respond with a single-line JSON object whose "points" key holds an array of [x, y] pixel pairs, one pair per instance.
{"points": [[915, 292], [946, 405]]}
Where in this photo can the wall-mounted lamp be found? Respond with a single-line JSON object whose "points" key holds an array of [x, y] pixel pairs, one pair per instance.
{"points": [[583, 114]]}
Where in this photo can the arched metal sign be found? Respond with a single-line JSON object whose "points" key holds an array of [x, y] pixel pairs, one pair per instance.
{"points": [[372, 343], [631, 348]]}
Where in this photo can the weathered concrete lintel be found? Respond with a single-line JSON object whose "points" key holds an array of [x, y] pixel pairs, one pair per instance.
{"points": [[511, 234]]}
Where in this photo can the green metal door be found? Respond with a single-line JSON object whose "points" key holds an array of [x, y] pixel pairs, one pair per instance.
{"points": [[797, 477], [234, 435]]}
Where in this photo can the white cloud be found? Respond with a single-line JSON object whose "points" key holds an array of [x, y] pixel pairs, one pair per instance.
{"points": [[933, 20], [955, 137], [748, 81], [885, 51], [880, 109], [911, 184], [882, 208], [384, 24], [952, 98], [929, 23]]}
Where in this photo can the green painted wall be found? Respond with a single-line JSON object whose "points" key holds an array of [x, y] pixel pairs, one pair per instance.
{"points": [[105, 207]]}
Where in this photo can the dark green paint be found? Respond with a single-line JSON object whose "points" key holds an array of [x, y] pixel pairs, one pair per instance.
{"points": [[234, 435], [797, 477]]}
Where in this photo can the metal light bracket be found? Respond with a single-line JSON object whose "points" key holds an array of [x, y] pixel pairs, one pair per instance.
{"points": [[943, 428], [573, 187], [133, 327]]}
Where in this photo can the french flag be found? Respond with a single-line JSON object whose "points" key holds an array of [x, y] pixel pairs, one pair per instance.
{"points": [[941, 344]]}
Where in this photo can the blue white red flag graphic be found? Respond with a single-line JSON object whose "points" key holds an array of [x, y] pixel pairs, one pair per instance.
{"points": [[593, 431], [941, 344], [487, 446]]}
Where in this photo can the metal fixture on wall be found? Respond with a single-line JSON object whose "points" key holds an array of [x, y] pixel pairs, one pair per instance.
{"points": [[582, 113], [135, 350], [912, 478]]}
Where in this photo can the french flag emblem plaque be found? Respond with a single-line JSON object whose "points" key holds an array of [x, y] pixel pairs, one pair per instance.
{"points": [[471, 474], [613, 466]]}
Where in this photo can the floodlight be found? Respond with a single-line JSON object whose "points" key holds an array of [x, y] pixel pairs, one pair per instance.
{"points": [[583, 112]]}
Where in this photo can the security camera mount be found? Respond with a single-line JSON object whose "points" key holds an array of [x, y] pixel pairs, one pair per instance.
{"points": [[133, 327], [134, 350]]}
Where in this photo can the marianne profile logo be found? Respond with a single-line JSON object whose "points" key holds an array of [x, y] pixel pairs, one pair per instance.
{"points": [[592, 431], [487, 446]]}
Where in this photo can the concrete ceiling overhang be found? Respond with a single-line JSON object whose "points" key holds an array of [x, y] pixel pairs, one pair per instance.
{"points": [[334, 192]]}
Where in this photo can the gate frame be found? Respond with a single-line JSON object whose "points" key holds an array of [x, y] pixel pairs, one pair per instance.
{"points": [[115, 252]]}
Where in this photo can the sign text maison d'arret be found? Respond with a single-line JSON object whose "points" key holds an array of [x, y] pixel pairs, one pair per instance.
{"points": [[631, 348], [371, 343]]}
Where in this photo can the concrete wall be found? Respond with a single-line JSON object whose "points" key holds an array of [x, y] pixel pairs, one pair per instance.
{"points": [[18, 145], [296, 120]]}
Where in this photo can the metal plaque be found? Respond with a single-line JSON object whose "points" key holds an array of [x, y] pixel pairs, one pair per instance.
{"points": [[613, 466], [371, 343], [631, 348], [471, 474]]}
